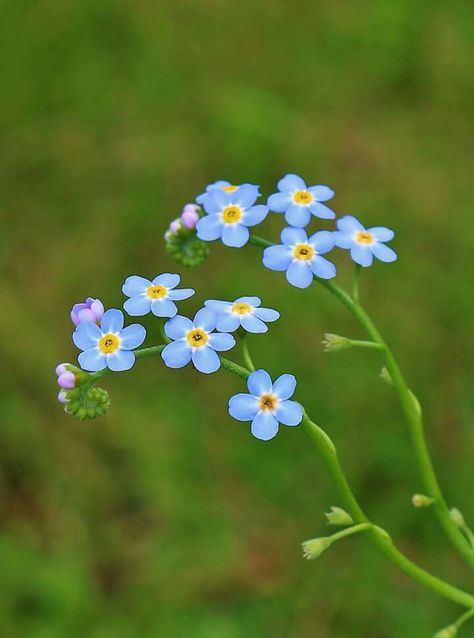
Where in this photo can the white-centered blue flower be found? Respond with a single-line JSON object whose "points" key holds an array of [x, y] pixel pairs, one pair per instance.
{"points": [[229, 214], [364, 244], [222, 185], [244, 312], [109, 345], [157, 295], [267, 404], [299, 201], [301, 256], [195, 341]]}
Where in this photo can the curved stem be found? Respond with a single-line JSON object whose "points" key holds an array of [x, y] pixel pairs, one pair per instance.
{"points": [[245, 352]]}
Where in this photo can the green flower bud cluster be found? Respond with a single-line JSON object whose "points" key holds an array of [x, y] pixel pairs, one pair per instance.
{"points": [[183, 244], [87, 402]]}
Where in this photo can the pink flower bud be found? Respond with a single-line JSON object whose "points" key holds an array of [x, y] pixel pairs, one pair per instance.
{"points": [[61, 369], [91, 310], [175, 225], [62, 397], [190, 216], [67, 380]]}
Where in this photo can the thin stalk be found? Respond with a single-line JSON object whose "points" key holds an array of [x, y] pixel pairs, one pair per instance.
{"points": [[245, 352]]}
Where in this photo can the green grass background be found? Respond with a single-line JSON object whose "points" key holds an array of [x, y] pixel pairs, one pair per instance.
{"points": [[166, 518]]}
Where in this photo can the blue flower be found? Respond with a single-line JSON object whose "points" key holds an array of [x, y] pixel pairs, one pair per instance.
{"points": [[364, 244], [157, 296], [229, 214], [195, 341], [222, 185], [267, 405], [301, 257], [109, 345], [299, 201], [245, 312]]}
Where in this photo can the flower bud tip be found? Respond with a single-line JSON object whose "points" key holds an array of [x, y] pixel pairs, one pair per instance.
{"points": [[338, 516], [421, 500], [335, 343], [315, 547]]}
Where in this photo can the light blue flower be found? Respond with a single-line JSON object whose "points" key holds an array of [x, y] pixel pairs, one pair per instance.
{"points": [[267, 405], [157, 296], [301, 257], [364, 244], [109, 345], [222, 185], [299, 201], [195, 341], [244, 312], [229, 214]]}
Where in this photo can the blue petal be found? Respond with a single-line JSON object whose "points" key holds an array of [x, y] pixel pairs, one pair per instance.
{"points": [[277, 257], [343, 240], [322, 241], [180, 294], [264, 426], [235, 235], [163, 308], [321, 193], [349, 224], [216, 201], [168, 280], [228, 322], [266, 314], [299, 274], [284, 386], [253, 324], [243, 407], [92, 360], [384, 253], [221, 341], [209, 227], [219, 184], [381, 233], [292, 236], [362, 255], [134, 285], [132, 336], [206, 318], [112, 321], [289, 413], [321, 211], [279, 202], [86, 335], [252, 301], [291, 182], [298, 216], [217, 305], [323, 268], [176, 354], [120, 360], [177, 327], [206, 360], [259, 382], [255, 215], [137, 306], [245, 195]]}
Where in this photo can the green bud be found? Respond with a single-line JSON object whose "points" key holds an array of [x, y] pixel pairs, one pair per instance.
{"points": [[447, 632], [386, 376], [185, 246], [335, 343], [87, 402], [457, 517], [315, 547], [420, 500], [338, 516]]}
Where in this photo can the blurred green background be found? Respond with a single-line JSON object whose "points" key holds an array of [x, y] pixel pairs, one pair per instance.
{"points": [[166, 518]]}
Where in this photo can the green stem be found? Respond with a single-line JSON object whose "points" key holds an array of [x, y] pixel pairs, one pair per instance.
{"points": [[348, 531], [245, 352], [355, 283], [464, 618]]}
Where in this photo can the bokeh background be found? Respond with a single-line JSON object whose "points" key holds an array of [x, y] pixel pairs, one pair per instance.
{"points": [[166, 518]]}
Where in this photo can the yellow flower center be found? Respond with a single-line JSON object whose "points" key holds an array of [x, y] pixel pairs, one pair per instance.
{"points": [[109, 343], [268, 402], [229, 189], [363, 237], [156, 292], [241, 308], [303, 197], [303, 252], [231, 214], [197, 338]]}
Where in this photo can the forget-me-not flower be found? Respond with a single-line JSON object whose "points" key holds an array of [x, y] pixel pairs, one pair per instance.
{"points": [[229, 214], [195, 341], [364, 244], [267, 404], [157, 295], [244, 312], [301, 257], [299, 201], [109, 345], [222, 185]]}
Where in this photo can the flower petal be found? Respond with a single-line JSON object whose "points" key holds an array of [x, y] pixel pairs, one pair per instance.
{"points": [[323, 268], [321, 211], [284, 387], [221, 341], [164, 308], [264, 426], [321, 193], [243, 407], [217, 305], [86, 335], [322, 241], [206, 360], [362, 255], [252, 301], [259, 382], [216, 201], [209, 227], [245, 195], [138, 306], [206, 318], [167, 279], [235, 235], [266, 314], [228, 322], [381, 233], [279, 202], [349, 224], [384, 253], [120, 360], [177, 327], [277, 257], [251, 323], [255, 215], [132, 336], [92, 360], [134, 285], [292, 236], [343, 240], [112, 321], [176, 354], [291, 182], [298, 216], [180, 294], [289, 413], [299, 274]]}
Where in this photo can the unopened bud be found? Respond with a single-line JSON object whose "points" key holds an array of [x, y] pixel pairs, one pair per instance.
{"points": [[447, 632], [386, 376], [421, 500], [338, 516], [457, 517], [335, 343], [190, 216], [87, 402], [315, 547]]}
